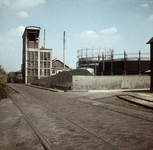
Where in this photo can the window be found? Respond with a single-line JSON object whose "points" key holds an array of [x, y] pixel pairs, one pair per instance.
{"points": [[28, 56], [53, 71], [41, 72], [45, 72], [36, 55], [31, 37], [41, 55], [28, 72], [32, 72], [45, 56], [28, 64], [36, 64], [45, 64], [36, 72], [32, 64], [48, 56], [41, 64], [32, 55], [48, 64], [48, 72]]}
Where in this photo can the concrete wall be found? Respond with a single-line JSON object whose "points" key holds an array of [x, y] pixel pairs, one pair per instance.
{"points": [[109, 82]]}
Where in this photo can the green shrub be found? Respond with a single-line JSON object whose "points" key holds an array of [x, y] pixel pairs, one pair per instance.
{"points": [[3, 81]]}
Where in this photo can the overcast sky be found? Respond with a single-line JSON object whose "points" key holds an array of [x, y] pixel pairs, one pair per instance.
{"points": [[117, 24]]}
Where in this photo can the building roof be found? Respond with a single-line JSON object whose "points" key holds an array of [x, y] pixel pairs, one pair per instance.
{"points": [[31, 28], [42, 48], [59, 61], [150, 41]]}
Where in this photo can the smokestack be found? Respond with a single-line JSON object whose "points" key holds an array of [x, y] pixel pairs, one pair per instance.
{"points": [[44, 38], [64, 49]]}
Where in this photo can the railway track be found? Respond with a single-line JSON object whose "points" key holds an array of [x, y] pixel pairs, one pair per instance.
{"points": [[44, 140]]}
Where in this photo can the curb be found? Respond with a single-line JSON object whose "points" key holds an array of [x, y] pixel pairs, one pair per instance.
{"points": [[140, 101], [43, 88]]}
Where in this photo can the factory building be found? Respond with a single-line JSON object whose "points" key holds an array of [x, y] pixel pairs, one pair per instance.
{"points": [[151, 63], [36, 61]]}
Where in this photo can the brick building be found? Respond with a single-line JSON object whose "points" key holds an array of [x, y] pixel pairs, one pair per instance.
{"points": [[58, 66]]}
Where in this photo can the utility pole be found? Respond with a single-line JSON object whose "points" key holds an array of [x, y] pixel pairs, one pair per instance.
{"points": [[44, 38], [64, 49]]}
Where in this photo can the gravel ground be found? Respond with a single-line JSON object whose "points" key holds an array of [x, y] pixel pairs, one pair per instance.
{"points": [[61, 79]]}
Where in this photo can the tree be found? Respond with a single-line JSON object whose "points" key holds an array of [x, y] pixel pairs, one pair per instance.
{"points": [[11, 75], [2, 70], [3, 81]]}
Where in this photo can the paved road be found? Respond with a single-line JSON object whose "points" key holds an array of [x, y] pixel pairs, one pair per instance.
{"points": [[85, 120]]}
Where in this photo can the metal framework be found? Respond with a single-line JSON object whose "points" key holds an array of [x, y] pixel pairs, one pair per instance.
{"points": [[92, 56]]}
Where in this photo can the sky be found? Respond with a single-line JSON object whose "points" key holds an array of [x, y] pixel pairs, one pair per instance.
{"points": [[122, 25]]}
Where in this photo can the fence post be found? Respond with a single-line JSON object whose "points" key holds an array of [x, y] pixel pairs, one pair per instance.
{"points": [[124, 72], [95, 69], [103, 64], [111, 64], [98, 65], [86, 57], [81, 56], [139, 62]]}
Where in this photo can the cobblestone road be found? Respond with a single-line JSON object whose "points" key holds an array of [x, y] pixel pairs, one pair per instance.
{"points": [[86, 120]]}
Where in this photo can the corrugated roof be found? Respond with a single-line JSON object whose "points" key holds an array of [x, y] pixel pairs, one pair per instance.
{"points": [[150, 41]]}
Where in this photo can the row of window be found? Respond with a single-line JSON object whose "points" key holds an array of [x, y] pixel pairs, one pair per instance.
{"points": [[43, 72], [34, 64], [32, 55], [32, 72], [44, 55], [44, 64]]}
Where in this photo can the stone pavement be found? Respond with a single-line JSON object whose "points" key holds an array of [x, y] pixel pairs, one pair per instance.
{"points": [[15, 132], [22, 141]]}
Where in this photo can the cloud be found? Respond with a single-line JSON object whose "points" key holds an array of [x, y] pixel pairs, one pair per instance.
{"points": [[110, 35], [151, 18], [9, 39], [111, 30], [107, 36], [15, 31], [144, 5], [89, 34], [21, 3], [11, 48], [22, 14]]}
